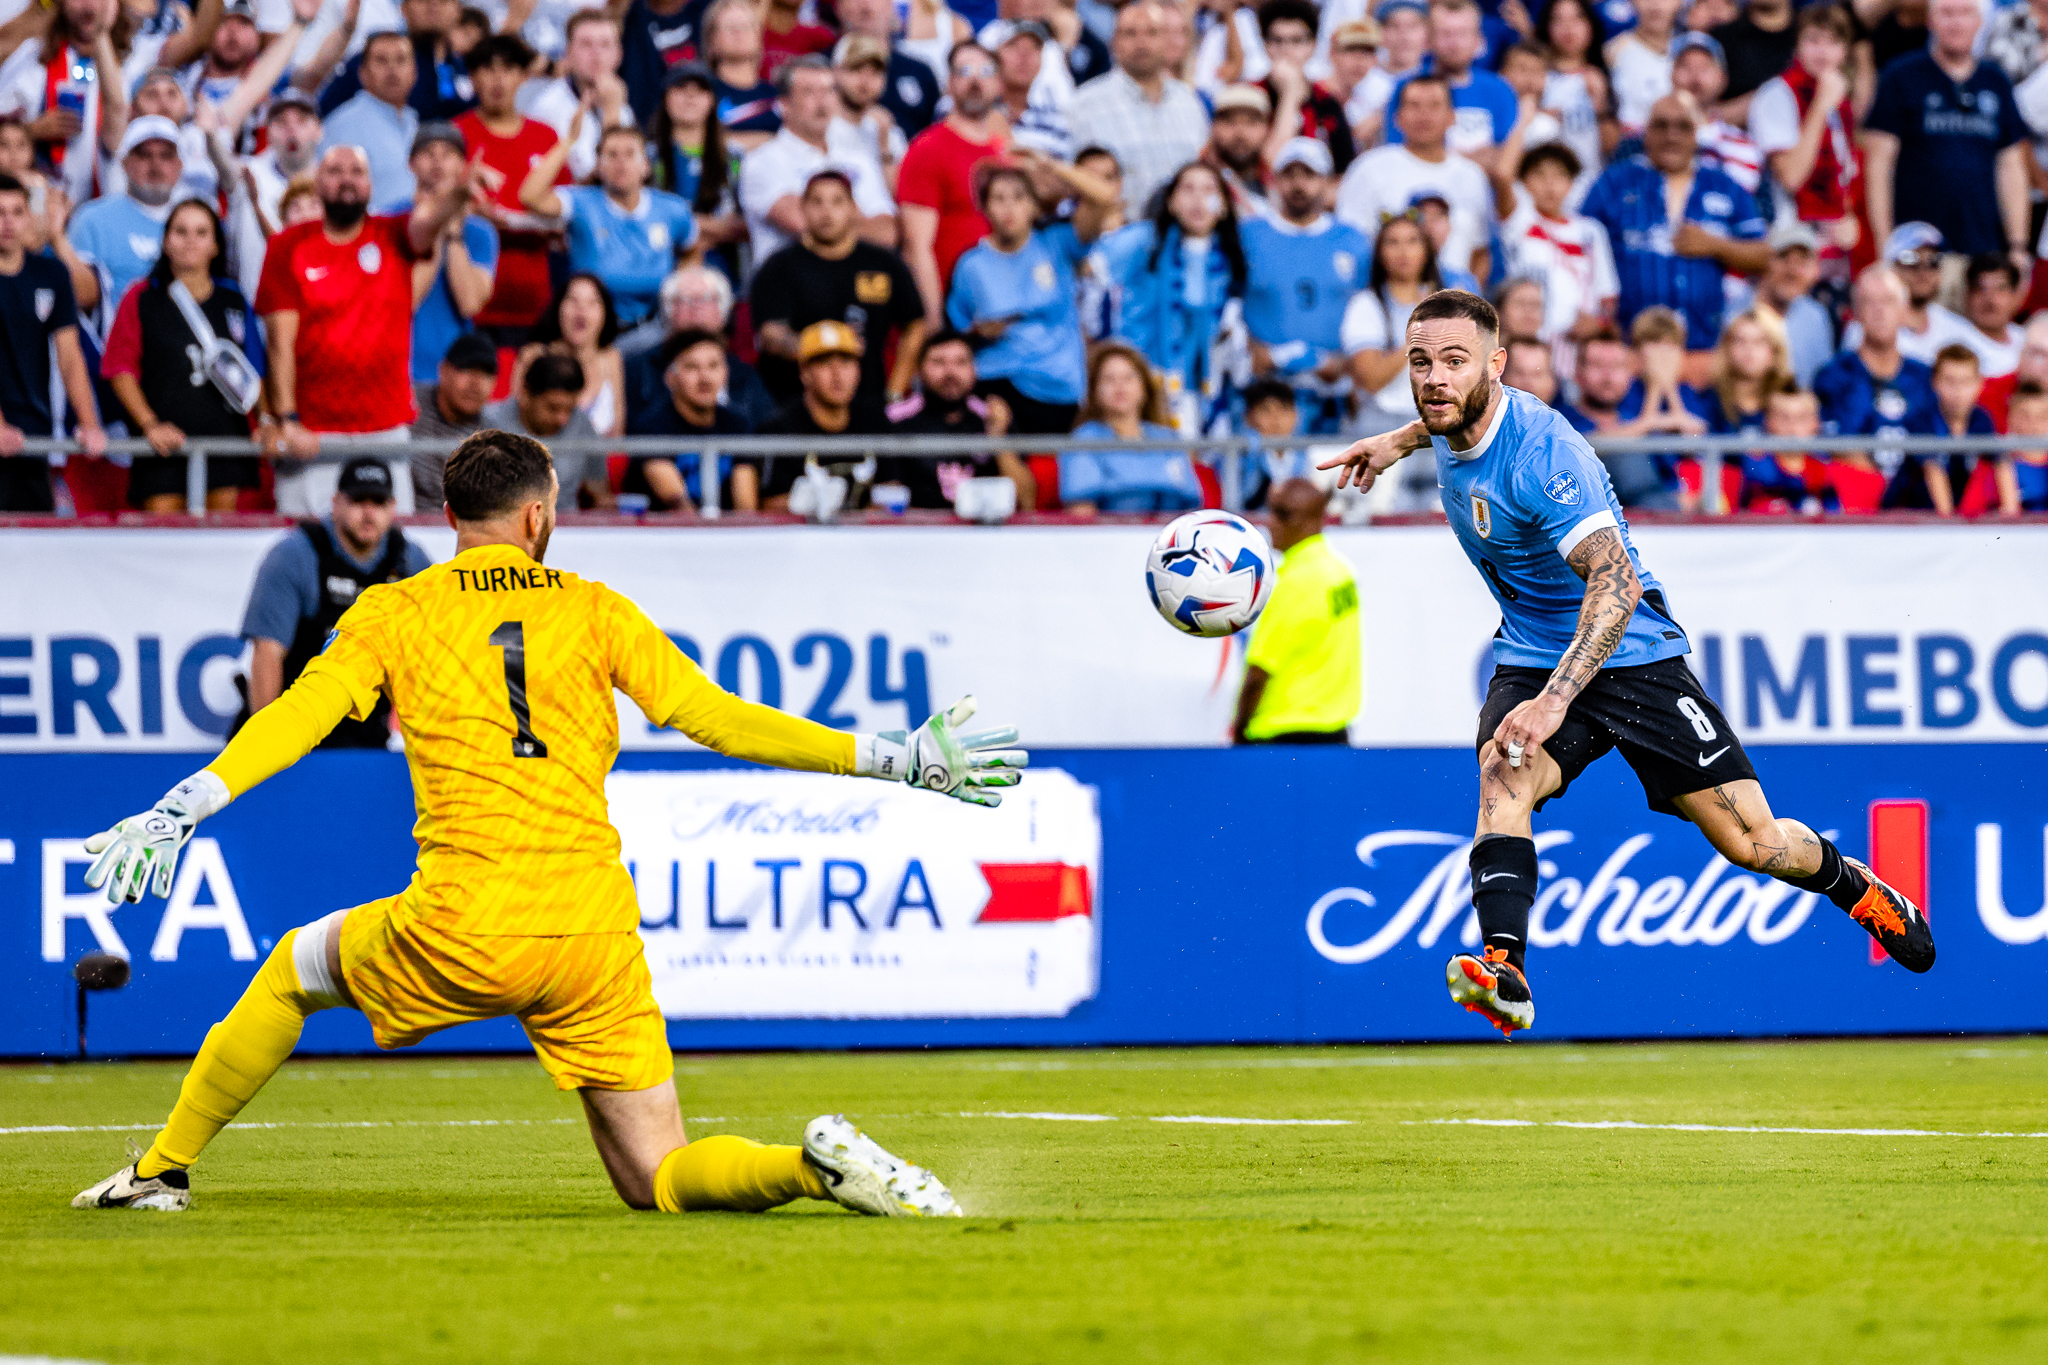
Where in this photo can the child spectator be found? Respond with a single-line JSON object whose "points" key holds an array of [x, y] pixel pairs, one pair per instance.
{"points": [[1270, 411], [1127, 402], [1544, 239], [1805, 127], [1936, 482], [1659, 402], [508, 143], [1794, 481], [1014, 293], [2022, 475]]}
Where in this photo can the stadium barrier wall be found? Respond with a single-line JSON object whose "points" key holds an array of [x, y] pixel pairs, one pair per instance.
{"points": [[127, 640], [1120, 897]]}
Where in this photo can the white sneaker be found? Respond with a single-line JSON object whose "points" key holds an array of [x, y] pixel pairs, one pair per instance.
{"points": [[867, 1179], [168, 1192]]}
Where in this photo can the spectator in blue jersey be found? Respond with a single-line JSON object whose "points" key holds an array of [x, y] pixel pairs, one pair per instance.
{"points": [[1682, 266], [465, 259], [1126, 402], [1936, 482], [1014, 293], [621, 231], [1484, 103], [1270, 410], [1790, 481], [2023, 474], [1301, 268], [1942, 130], [1177, 271], [1874, 390], [113, 240], [378, 120], [1660, 402]]}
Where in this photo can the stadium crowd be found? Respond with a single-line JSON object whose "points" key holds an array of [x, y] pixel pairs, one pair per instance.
{"points": [[697, 219]]}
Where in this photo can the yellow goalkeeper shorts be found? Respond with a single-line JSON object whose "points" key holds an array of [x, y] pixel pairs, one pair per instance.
{"points": [[586, 1001]]}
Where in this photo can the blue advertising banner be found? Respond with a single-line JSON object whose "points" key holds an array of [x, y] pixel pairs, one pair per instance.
{"points": [[1240, 896]]}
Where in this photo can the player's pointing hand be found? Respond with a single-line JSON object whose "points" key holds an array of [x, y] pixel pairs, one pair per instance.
{"points": [[1364, 461]]}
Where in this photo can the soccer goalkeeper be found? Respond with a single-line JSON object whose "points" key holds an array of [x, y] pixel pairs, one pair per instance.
{"points": [[501, 673]]}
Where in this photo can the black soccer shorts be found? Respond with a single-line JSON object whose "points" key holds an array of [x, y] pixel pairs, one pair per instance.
{"points": [[1657, 714]]}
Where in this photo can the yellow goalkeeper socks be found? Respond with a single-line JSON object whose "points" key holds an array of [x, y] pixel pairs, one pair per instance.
{"points": [[726, 1172], [241, 1052]]}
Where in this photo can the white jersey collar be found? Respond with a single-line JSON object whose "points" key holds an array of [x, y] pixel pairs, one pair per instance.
{"points": [[1492, 430]]}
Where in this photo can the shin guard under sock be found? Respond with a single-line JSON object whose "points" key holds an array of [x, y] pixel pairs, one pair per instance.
{"points": [[1503, 888], [1839, 882], [727, 1172]]}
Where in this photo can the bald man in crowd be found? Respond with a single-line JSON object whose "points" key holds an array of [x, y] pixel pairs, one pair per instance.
{"points": [[1304, 668]]}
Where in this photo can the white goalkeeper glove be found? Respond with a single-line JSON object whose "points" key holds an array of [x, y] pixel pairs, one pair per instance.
{"points": [[935, 756], [146, 846]]}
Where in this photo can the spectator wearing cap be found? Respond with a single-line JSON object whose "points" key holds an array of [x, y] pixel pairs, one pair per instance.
{"points": [[1384, 182], [941, 216], [1544, 239], [1483, 104], [378, 120], [1358, 81], [156, 362], [1014, 294], [860, 66], [691, 405], [688, 148], [773, 175], [543, 405], [161, 92], [620, 230], [1942, 128], [1301, 268], [829, 274], [1404, 41], [450, 408], [1698, 67], [230, 52], [1913, 251], [1683, 266], [443, 91], [464, 263], [1639, 62], [1759, 43], [588, 99], [1149, 119], [1301, 107], [1037, 116], [312, 576], [829, 363], [1178, 272], [337, 299], [1873, 389], [945, 404], [910, 89], [291, 141], [113, 240], [508, 143], [1785, 289], [698, 298], [1240, 130], [1805, 127]]}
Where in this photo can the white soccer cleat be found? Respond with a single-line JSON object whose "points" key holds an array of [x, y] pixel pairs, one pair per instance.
{"points": [[169, 1192], [869, 1180]]}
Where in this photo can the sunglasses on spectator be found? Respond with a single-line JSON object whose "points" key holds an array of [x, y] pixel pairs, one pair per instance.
{"points": [[1920, 260]]}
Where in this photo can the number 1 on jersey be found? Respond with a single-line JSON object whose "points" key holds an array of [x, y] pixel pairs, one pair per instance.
{"points": [[510, 636]]}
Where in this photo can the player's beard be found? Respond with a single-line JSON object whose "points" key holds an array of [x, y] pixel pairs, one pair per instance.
{"points": [[540, 547], [1469, 413]]}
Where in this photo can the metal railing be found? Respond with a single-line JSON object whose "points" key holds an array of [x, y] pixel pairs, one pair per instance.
{"points": [[1230, 452]]}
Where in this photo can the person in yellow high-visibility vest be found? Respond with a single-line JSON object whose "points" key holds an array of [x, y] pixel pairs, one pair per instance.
{"points": [[1304, 667]]}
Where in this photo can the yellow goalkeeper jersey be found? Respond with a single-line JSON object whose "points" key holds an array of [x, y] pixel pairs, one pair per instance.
{"points": [[500, 672]]}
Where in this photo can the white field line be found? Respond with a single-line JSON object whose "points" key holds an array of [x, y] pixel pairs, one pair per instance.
{"points": [[1251, 1123], [1051, 1115], [1716, 1128]]}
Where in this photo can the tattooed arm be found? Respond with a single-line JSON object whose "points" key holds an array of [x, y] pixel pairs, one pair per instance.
{"points": [[1612, 591]]}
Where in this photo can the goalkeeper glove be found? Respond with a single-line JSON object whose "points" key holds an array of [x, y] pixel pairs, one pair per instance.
{"points": [[147, 845], [937, 757]]}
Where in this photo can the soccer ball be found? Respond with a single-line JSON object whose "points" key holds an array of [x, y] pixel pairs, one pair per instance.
{"points": [[1210, 573]]}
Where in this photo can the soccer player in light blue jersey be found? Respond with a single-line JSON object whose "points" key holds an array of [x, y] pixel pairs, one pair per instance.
{"points": [[1588, 658]]}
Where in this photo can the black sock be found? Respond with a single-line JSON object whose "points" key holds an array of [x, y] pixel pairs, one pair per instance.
{"points": [[1503, 888], [1836, 880]]}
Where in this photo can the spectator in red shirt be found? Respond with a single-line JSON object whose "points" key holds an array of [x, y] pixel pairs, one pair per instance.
{"points": [[941, 221], [784, 34], [336, 298], [509, 144]]}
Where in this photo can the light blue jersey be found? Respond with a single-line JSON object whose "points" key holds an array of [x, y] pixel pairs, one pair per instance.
{"points": [[1031, 289], [1520, 501], [120, 239], [631, 252], [1298, 283], [436, 322]]}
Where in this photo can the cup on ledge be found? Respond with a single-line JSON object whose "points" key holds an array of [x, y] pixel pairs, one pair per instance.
{"points": [[893, 498]]}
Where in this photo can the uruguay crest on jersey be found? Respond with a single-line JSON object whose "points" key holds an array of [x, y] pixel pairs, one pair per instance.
{"points": [[1482, 517]]}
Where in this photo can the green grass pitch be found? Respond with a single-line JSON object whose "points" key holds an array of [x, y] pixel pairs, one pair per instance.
{"points": [[478, 1225]]}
